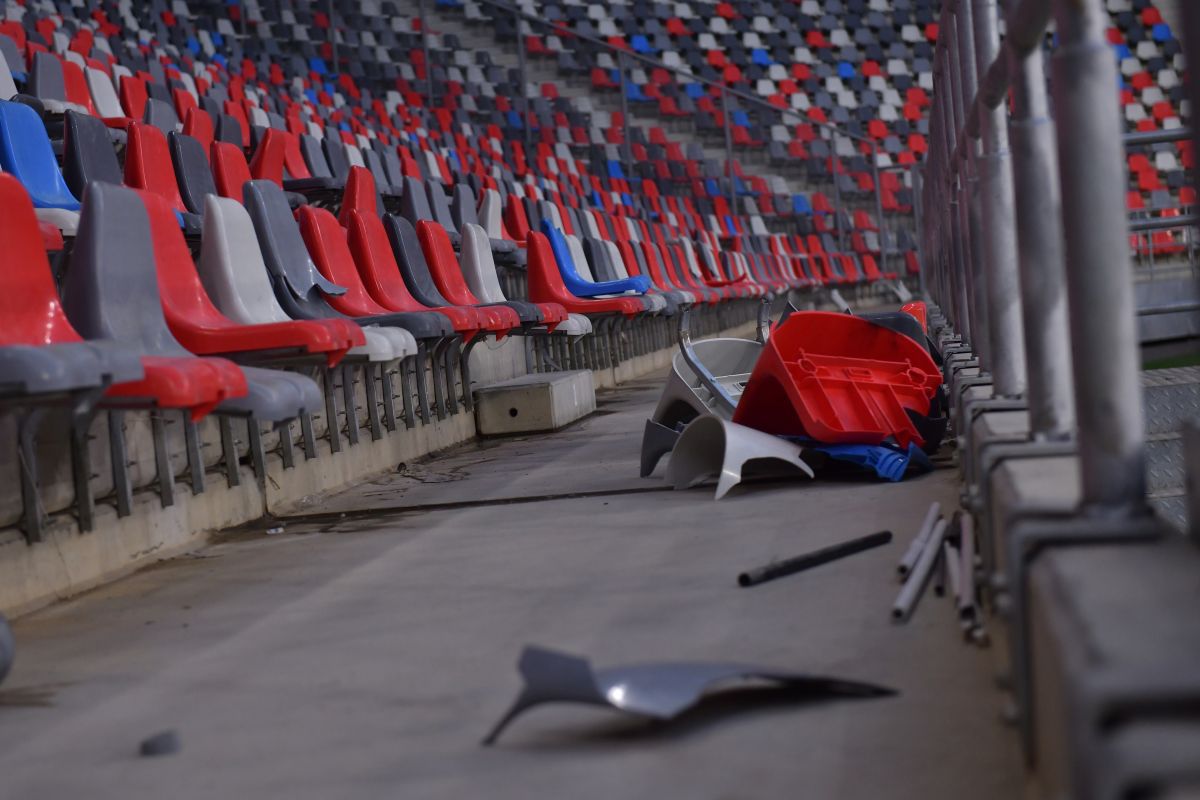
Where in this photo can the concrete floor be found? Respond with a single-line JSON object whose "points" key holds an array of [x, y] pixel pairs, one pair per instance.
{"points": [[365, 655]]}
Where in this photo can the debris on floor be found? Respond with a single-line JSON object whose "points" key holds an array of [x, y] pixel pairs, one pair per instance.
{"points": [[846, 390], [791, 566], [658, 691], [8, 648], [163, 743]]}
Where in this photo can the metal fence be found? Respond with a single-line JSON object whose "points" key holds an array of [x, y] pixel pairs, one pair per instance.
{"points": [[1041, 289]]}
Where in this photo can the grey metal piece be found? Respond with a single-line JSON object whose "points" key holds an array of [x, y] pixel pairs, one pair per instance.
{"points": [[657, 691], [713, 447], [999, 233], [914, 586], [728, 364], [909, 559], [8, 648], [1049, 387], [1104, 338]]}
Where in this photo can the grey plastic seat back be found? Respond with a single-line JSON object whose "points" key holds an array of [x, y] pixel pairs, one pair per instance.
{"points": [[111, 289], [335, 156], [314, 156], [192, 171], [440, 206], [161, 115], [462, 208], [88, 153], [411, 259], [46, 80], [414, 206], [283, 248]]}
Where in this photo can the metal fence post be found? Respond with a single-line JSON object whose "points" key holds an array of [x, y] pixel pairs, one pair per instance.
{"points": [[918, 194], [627, 145], [522, 75], [1040, 246], [998, 225], [333, 46], [963, 65], [1104, 339], [425, 53], [835, 167], [728, 148], [883, 237]]}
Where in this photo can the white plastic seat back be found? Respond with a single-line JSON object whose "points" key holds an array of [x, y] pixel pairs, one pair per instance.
{"points": [[104, 96], [478, 265], [8, 87], [490, 214], [235, 276]]}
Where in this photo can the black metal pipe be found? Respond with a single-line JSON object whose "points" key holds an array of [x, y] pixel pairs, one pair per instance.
{"points": [[816, 558]]}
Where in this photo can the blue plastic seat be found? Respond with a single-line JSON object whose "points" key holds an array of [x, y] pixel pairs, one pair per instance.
{"points": [[575, 283], [26, 153], [1161, 32], [761, 57], [800, 205], [640, 44]]}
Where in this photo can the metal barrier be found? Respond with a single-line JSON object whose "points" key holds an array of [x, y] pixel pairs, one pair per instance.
{"points": [[1014, 312]]}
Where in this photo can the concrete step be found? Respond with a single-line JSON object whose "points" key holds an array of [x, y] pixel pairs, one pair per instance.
{"points": [[534, 403]]}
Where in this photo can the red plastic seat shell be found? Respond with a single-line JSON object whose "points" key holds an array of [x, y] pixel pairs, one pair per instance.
{"points": [[837, 378], [200, 326]]}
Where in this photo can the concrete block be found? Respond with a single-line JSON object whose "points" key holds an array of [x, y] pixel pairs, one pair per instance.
{"points": [[544, 402]]}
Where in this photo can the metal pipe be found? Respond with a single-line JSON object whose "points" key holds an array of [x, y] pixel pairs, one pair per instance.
{"points": [[918, 543], [425, 51], [626, 144], [998, 224], [523, 76], [331, 11], [1146, 138], [879, 211], [910, 593], [963, 49], [1050, 390], [835, 165], [966, 572], [1162, 223], [728, 125], [1104, 341]]}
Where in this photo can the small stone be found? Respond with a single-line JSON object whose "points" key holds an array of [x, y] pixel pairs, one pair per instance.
{"points": [[278, 529], [164, 743]]}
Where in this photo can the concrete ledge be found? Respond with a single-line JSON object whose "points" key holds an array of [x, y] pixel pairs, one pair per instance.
{"points": [[532, 403]]}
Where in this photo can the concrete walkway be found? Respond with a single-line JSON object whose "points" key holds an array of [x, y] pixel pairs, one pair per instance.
{"points": [[365, 655]]}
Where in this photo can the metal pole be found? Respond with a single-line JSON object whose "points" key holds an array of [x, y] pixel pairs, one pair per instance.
{"points": [[959, 250], [999, 225], [964, 48], [835, 166], [425, 51], [332, 33], [918, 192], [524, 98], [627, 155], [883, 243], [1104, 339], [728, 149], [1040, 249]]}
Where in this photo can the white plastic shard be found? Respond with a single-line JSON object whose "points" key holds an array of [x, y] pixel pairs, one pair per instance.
{"points": [[711, 447]]}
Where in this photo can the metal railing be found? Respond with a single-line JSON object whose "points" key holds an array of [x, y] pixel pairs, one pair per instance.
{"points": [[624, 56], [1056, 323]]}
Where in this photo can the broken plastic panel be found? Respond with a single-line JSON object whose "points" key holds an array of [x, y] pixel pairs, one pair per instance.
{"points": [[712, 447], [653, 691], [840, 379]]}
